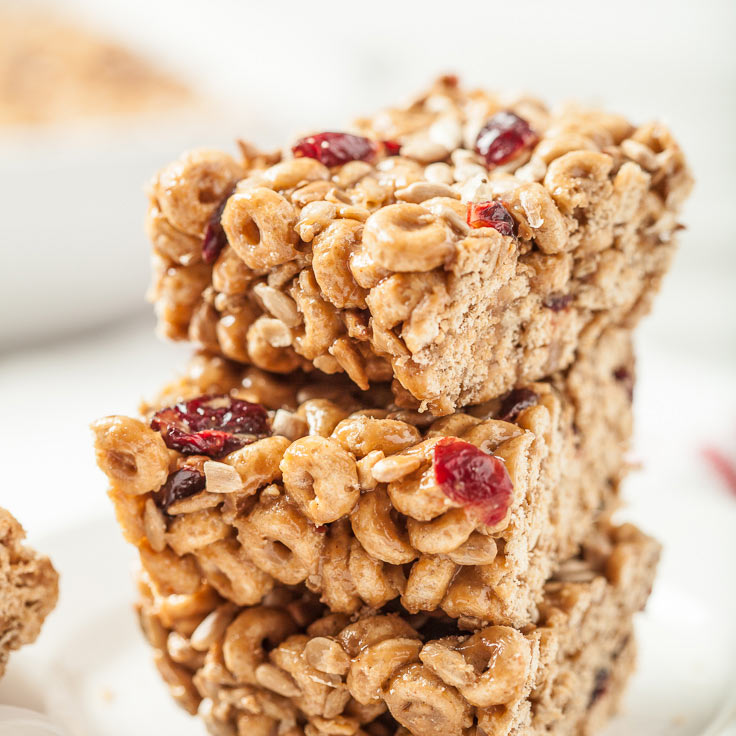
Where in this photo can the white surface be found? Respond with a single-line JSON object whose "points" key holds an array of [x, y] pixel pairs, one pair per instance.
{"points": [[23, 722]]}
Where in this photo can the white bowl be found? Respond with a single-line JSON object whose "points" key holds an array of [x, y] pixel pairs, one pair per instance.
{"points": [[74, 253]]}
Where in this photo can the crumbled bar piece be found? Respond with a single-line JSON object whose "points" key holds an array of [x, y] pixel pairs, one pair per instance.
{"points": [[365, 502], [290, 665], [211, 425], [29, 587], [475, 253]]}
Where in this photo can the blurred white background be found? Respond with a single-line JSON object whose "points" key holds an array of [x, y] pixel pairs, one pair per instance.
{"points": [[77, 338]]}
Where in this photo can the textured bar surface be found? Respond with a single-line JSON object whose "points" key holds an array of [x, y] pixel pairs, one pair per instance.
{"points": [[346, 497], [286, 667], [376, 267], [29, 587]]}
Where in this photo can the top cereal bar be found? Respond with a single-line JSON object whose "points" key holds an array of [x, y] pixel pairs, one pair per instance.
{"points": [[458, 245]]}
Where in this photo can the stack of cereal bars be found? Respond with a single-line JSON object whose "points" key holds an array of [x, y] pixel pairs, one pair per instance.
{"points": [[377, 502]]}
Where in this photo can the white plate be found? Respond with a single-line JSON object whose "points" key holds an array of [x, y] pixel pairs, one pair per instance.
{"points": [[92, 673]]}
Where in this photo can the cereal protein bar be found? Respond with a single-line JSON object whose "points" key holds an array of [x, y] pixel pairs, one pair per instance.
{"points": [[286, 666], [460, 245], [249, 481]]}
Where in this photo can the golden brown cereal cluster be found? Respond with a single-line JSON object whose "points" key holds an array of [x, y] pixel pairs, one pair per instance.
{"points": [[370, 267], [288, 667], [29, 587], [344, 496]]}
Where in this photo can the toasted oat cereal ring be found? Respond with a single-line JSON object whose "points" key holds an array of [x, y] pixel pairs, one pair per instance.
{"points": [[407, 237], [321, 477], [259, 224], [243, 645]]}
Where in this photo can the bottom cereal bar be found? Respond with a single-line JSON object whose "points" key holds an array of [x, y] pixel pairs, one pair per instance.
{"points": [[250, 481], [287, 666], [28, 589]]}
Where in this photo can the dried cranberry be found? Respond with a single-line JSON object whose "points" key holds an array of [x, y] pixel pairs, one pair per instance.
{"points": [[515, 402], [214, 236], [391, 148], [557, 302], [180, 484], [600, 685], [722, 465], [490, 214], [625, 377], [334, 149], [211, 425], [504, 137], [470, 477]]}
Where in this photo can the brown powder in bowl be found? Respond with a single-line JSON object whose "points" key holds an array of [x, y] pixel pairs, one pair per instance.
{"points": [[52, 70]]}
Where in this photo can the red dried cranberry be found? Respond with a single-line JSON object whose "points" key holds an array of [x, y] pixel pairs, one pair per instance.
{"points": [[491, 214], [722, 465], [600, 686], [211, 425], [391, 148], [214, 236], [625, 377], [557, 302], [504, 137], [515, 402], [470, 477], [180, 484], [334, 149]]}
